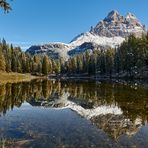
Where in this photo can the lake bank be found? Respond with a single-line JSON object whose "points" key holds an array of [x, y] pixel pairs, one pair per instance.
{"points": [[134, 82], [96, 78], [15, 77]]}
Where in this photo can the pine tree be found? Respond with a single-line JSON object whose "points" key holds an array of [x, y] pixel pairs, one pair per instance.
{"points": [[2, 61], [5, 5], [79, 63], [91, 66], [14, 63], [109, 61], [45, 65], [58, 70], [50, 66]]}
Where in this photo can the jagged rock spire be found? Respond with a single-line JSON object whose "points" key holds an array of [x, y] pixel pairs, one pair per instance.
{"points": [[113, 15], [117, 25]]}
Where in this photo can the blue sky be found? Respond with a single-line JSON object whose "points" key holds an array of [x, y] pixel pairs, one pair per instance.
{"points": [[42, 21]]}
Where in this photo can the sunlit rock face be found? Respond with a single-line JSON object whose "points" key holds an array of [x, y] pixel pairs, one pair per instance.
{"points": [[110, 32], [53, 50], [117, 25]]}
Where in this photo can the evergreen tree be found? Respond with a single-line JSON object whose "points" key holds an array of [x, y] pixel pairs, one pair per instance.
{"points": [[79, 64], [14, 63], [2, 61], [5, 5], [50, 66], [45, 65], [109, 61]]}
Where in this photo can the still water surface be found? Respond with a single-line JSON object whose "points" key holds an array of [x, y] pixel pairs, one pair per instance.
{"points": [[73, 114]]}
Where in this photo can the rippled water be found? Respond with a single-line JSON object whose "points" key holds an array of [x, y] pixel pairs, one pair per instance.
{"points": [[72, 114]]}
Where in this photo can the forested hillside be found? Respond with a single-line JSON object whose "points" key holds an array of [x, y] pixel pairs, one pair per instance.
{"points": [[129, 59], [13, 59]]}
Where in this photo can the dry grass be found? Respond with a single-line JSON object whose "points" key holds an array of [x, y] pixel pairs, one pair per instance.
{"points": [[15, 77]]}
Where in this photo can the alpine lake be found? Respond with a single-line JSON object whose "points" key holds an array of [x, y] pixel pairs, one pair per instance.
{"points": [[74, 114]]}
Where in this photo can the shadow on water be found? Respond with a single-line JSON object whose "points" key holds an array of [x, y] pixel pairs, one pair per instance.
{"points": [[52, 113]]}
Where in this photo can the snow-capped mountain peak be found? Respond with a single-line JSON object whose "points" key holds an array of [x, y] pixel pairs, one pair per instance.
{"points": [[117, 25], [110, 32], [93, 38]]}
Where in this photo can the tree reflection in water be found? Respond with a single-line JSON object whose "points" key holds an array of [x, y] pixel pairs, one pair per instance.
{"points": [[117, 109]]}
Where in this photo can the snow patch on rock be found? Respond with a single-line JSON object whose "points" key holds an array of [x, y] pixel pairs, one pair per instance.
{"points": [[100, 40]]}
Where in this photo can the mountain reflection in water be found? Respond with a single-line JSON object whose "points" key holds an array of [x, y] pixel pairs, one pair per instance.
{"points": [[118, 110]]}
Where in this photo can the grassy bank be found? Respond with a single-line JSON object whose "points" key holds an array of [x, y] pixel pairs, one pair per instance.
{"points": [[15, 77]]}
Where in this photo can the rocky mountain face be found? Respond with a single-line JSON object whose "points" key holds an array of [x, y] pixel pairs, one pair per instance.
{"points": [[117, 25], [109, 32], [86, 46], [53, 50]]}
